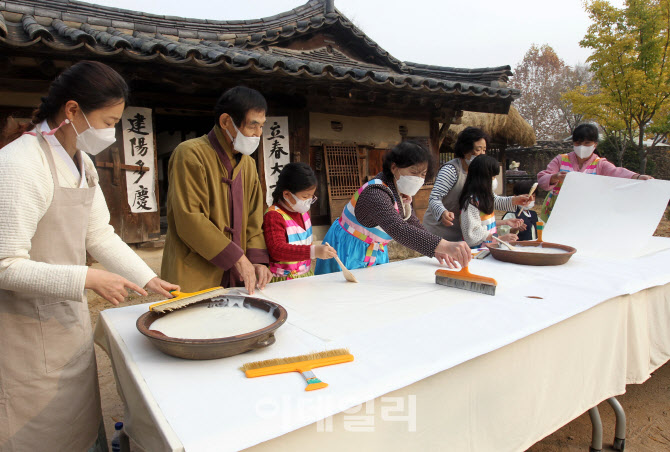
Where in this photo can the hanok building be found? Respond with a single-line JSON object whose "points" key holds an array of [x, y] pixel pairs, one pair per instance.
{"points": [[336, 98]]}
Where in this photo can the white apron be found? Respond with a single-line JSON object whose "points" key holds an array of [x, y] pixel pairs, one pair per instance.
{"points": [[49, 396]]}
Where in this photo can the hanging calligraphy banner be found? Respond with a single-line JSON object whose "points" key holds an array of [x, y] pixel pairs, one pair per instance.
{"points": [[276, 153], [138, 150]]}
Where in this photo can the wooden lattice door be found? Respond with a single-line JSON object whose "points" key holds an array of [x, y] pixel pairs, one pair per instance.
{"points": [[342, 171]]}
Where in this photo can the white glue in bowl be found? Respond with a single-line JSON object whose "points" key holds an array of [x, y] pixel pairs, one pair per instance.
{"points": [[537, 253], [244, 323]]}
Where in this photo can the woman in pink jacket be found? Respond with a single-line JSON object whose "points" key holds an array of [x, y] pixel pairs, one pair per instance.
{"points": [[582, 159]]}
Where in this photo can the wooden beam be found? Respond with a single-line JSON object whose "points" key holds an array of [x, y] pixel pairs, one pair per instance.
{"points": [[447, 119], [434, 131]]}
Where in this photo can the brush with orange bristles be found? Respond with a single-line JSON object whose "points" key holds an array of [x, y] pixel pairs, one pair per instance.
{"points": [[302, 363], [465, 280]]}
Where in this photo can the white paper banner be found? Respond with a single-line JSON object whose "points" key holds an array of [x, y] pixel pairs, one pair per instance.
{"points": [[276, 153], [604, 216], [138, 150]]}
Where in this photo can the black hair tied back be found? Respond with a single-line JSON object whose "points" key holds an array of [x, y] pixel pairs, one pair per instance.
{"points": [[91, 84]]}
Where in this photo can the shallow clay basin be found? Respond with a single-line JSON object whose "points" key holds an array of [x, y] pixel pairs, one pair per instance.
{"points": [[501, 253], [215, 348]]}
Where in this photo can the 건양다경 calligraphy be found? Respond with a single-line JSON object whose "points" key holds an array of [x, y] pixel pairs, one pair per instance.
{"points": [[138, 146], [141, 198], [139, 172], [137, 124]]}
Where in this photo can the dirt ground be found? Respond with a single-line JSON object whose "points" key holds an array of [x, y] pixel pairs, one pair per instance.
{"points": [[647, 406]]}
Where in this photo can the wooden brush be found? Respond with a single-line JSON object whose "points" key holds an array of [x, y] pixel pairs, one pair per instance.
{"points": [[302, 363], [345, 271], [465, 280], [511, 247], [532, 190], [183, 299]]}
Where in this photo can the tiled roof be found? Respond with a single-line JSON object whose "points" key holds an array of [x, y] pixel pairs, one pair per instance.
{"points": [[236, 45], [493, 76]]}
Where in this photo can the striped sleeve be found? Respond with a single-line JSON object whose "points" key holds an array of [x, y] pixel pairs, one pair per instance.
{"points": [[444, 182], [503, 203]]}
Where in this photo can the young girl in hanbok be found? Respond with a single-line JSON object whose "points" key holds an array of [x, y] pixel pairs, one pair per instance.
{"points": [[287, 225]]}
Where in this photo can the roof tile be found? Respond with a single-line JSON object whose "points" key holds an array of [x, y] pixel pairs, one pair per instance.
{"points": [[187, 34], [35, 30], [167, 31], [123, 24], [42, 12], [21, 9], [99, 21], [79, 18], [146, 28], [209, 41], [207, 35]]}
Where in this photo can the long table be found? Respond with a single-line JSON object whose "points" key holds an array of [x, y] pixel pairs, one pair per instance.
{"points": [[435, 368]]}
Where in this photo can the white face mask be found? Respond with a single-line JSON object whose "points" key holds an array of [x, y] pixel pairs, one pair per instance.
{"points": [[242, 143], [301, 205], [529, 206], [94, 141], [409, 185], [494, 185], [584, 151]]}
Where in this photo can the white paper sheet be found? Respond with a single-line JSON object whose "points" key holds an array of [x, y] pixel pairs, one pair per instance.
{"points": [[607, 216], [397, 314]]}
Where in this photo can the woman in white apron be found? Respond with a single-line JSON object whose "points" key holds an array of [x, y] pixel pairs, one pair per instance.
{"points": [[52, 211]]}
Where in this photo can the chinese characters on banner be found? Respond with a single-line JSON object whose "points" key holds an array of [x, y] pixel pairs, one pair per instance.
{"points": [[138, 150], [275, 151]]}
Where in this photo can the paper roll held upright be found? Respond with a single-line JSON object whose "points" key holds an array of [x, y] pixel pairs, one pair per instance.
{"points": [[594, 213]]}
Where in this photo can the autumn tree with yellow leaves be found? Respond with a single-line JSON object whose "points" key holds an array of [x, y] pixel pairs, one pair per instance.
{"points": [[631, 48]]}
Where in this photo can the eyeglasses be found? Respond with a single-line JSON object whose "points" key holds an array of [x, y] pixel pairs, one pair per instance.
{"points": [[311, 201]]}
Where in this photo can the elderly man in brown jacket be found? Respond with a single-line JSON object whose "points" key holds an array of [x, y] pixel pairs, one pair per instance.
{"points": [[215, 201]]}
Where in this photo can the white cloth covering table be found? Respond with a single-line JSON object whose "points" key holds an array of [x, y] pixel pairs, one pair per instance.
{"points": [[465, 371]]}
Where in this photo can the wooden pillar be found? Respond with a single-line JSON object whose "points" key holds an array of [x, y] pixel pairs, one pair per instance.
{"points": [[447, 118], [298, 124], [434, 132]]}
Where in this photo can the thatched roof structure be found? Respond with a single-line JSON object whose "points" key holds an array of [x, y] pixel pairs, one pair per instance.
{"points": [[509, 130]]}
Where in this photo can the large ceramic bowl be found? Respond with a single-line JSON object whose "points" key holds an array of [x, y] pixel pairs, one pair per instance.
{"points": [[215, 348], [501, 253]]}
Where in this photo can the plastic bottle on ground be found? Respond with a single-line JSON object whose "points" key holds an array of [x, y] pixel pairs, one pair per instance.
{"points": [[116, 439]]}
